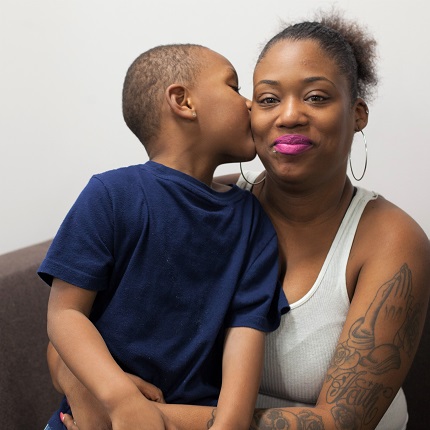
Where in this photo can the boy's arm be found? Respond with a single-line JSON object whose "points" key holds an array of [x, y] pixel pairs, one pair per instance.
{"points": [[87, 410], [241, 369], [85, 353]]}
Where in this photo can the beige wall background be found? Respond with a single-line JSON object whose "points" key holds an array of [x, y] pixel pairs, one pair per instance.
{"points": [[62, 65]]}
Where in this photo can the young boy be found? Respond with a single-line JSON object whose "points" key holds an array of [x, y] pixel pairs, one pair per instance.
{"points": [[157, 270]]}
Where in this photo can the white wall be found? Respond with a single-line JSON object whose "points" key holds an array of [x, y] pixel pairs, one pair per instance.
{"points": [[62, 64]]}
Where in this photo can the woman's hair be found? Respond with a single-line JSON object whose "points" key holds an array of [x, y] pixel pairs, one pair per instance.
{"points": [[353, 50], [148, 77]]}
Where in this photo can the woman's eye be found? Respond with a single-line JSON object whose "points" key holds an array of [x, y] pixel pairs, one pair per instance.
{"points": [[316, 98], [268, 100]]}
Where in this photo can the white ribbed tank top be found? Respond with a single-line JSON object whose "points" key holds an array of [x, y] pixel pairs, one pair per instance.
{"points": [[298, 353]]}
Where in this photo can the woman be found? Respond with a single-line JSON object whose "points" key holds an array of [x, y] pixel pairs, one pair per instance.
{"points": [[355, 267]]}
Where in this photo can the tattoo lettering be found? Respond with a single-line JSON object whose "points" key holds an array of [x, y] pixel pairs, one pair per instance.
{"points": [[351, 391], [279, 419], [352, 388]]}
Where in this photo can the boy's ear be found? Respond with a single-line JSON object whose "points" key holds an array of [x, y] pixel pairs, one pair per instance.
{"points": [[179, 101], [361, 114]]}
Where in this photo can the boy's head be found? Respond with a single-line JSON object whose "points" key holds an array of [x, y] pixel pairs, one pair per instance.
{"points": [[147, 79], [186, 97]]}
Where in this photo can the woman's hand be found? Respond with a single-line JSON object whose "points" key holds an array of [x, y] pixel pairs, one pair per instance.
{"points": [[70, 424]]}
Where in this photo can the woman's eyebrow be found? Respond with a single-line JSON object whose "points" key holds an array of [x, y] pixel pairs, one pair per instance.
{"points": [[310, 79], [267, 82], [318, 78]]}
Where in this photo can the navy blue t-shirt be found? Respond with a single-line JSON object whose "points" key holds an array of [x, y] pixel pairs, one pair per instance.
{"points": [[174, 263]]}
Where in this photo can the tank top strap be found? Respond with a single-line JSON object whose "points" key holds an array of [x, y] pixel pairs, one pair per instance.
{"points": [[344, 239], [352, 216]]}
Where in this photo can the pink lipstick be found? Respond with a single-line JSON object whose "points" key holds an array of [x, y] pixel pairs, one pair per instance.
{"points": [[292, 144]]}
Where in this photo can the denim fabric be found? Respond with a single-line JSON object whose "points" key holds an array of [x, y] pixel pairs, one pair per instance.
{"points": [[54, 422]]}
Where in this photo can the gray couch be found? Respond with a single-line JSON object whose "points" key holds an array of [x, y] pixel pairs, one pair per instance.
{"points": [[27, 397]]}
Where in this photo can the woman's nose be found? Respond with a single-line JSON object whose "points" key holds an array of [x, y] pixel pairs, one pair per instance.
{"points": [[291, 114]]}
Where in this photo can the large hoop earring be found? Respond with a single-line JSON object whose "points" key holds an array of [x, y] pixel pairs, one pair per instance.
{"points": [[250, 183], [365, 162]]}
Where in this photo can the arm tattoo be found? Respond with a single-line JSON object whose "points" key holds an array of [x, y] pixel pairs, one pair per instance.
{"points": [[279, 419], [211, 422], [353, 391]]}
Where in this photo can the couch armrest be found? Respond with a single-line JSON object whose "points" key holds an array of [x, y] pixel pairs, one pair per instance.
{"points": [[27, 397]]}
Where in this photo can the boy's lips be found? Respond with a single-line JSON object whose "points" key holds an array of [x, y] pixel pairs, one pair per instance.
{"points": [[292, 144]]}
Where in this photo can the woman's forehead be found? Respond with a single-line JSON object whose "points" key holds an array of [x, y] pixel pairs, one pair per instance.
{"points": [[297, 56]]}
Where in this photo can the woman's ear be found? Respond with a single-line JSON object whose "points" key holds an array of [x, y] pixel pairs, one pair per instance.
{"points": [[179, 101], [361, 114]]}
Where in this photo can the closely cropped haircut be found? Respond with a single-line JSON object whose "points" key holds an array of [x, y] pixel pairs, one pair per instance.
{"points": [[349, 45], [147, 79]]}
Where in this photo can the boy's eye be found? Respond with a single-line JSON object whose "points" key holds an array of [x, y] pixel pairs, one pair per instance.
{"points": [[235, 87]]}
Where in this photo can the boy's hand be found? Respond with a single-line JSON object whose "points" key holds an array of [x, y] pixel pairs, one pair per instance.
{"points": [[137, 412], [89, 414], [151, 392], [72, 425]]}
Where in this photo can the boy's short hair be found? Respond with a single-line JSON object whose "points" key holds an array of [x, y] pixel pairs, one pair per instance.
{"points": [[148, 77]]}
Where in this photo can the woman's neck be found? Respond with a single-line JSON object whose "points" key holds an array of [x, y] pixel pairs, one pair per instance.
{"points": [[292, 205]]}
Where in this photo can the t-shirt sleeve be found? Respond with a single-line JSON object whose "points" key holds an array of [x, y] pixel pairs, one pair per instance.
{"points": [[81, 252], [259, 301]]}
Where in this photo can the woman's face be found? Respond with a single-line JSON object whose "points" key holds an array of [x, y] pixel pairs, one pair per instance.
{"points": [[302, 117]]}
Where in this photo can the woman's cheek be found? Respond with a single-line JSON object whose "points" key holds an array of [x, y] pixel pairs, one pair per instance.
{"points": [[259, 128]]}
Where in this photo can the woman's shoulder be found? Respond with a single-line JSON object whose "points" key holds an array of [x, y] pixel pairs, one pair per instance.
{"points": [[385, 227], [382, 215]]}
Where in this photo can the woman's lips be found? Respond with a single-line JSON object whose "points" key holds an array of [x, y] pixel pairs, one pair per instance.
{"points": [[292, 144]]}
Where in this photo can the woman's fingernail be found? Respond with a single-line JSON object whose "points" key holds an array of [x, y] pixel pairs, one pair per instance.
{"points": [[61, 416]]}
